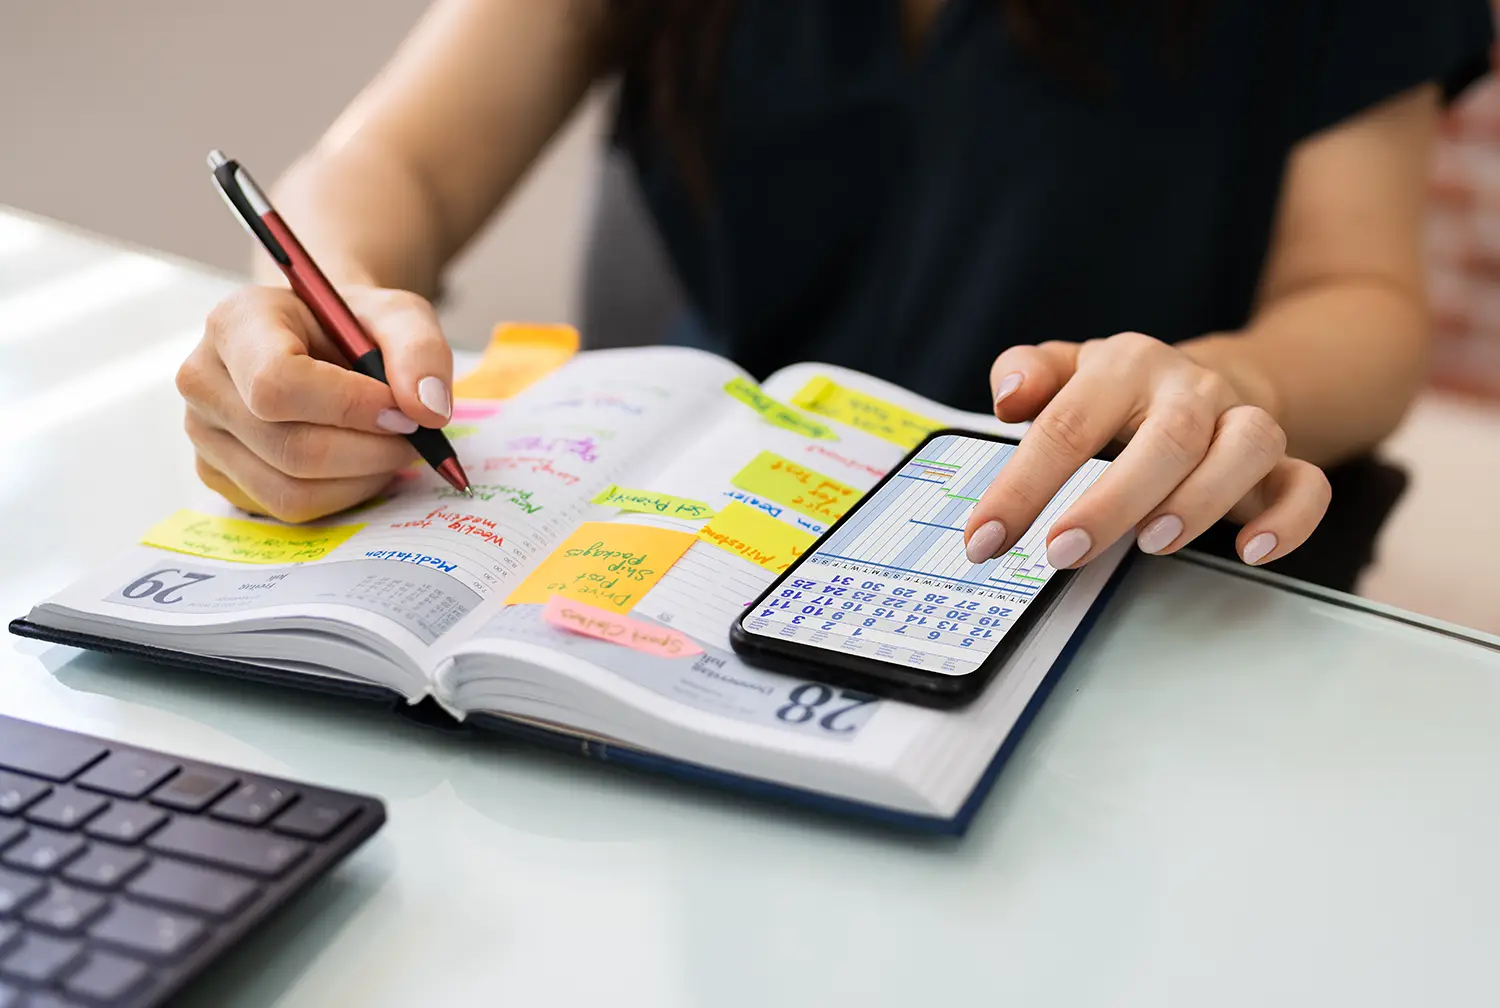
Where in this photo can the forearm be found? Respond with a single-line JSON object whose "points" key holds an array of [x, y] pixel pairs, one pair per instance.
{"points": [[363, 218], [421, 159], [1337, 364]]}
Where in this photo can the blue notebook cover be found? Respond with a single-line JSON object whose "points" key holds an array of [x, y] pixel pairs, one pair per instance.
{"points": [[624, 756]]}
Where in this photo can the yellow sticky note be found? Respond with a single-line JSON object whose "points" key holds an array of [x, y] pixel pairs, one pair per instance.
{"points": [[518, 354], [756, 536], [872, 415], [776, 413], [798, 487], [245, 541], [607, 564], [649, 502]]}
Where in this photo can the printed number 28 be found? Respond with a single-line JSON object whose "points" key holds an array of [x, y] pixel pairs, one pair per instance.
{"points": [[807, 698], [160, 592]]}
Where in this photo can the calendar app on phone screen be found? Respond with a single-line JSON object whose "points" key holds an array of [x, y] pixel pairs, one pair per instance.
{"points": [[892, 583]]}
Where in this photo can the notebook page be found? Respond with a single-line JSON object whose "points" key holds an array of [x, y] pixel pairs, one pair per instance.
{"points": [[418, 565], [707, 588]]}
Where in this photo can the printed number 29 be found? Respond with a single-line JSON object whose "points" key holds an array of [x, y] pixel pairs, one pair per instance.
{"points": [[807, 698], [160, 592]]}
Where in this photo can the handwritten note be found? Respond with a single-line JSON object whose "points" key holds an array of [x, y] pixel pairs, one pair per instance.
{"points": [[591, 621], [471, 525], [872, 415], [245, 541], [848, 463], [608, 564], [518, 355], [586, 448], [756, 536], [521, 498], [776, 413], [529, 463], [798, 487], [649, 502]]}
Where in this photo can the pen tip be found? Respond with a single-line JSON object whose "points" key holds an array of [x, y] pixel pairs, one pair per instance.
{"points": [[451, 471], [216, 157]]}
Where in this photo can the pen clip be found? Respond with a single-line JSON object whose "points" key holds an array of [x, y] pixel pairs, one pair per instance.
{"points": [[247, 201]]}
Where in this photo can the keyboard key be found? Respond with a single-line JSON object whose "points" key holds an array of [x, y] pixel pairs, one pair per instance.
{"points": [[106, 978], [191, 888], [50, 1001], [43, 850], [10, 933], [11, 830], [105, 866], [126, 822], [39, 959], [10, 997], [252, 804], [64, 909], [127, 775], [67, 808], [155, 933], [16, 890], [228, 846], [46, 752], [193, 790], [17, 792], [316, 818]]}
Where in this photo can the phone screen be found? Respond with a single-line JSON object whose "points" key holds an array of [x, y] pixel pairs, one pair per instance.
{"points": [[891, 582]]}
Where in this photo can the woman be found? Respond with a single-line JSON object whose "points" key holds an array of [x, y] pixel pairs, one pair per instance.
{"points": [[1190, 225]]}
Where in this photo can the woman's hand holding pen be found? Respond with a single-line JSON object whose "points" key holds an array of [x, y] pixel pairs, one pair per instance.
{"points": [[282, 427], [1198, 450]]}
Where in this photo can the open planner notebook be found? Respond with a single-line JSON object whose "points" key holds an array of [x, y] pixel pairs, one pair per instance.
{"points": [[628, 506]]}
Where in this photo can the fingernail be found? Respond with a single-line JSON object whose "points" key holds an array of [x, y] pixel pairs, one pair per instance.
{"points": [[434, 395], [396, 422], [985, 542], [1068, 548], [1007, 385], [1259, 548], [1159, 534]]}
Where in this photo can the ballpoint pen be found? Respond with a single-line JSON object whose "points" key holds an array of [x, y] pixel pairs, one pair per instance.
{"points": [[258, 217]]}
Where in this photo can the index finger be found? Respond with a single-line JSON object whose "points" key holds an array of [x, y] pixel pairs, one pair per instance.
{"points": [[1080, 420], [263, 344]]}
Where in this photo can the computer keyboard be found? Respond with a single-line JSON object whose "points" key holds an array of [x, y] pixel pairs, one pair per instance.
{"points": [[124, 872]]}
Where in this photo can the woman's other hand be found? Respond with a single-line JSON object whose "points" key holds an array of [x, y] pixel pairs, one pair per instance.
{"points": [[1197, 451], [280, 424]]}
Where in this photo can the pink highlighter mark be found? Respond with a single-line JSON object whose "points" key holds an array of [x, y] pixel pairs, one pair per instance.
{"points": [[469, 410], [601, 624]]}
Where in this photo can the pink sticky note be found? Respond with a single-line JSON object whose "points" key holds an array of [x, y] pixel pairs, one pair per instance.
{"points": [[591, 621]]}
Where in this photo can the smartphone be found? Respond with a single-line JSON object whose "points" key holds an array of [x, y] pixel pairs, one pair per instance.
{"points": [[886, 601]]}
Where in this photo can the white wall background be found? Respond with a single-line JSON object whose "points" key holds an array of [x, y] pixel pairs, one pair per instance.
{"points": [[103, 97]]}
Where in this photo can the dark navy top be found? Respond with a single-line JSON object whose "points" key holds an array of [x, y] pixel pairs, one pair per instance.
{"points": [[912, 216]]}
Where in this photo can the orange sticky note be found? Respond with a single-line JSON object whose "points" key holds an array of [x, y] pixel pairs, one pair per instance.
{"points": [[591, 621], [610, 564], [519, 353]]}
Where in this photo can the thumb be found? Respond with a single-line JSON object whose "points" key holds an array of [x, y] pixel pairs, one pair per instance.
{"points": [[418, 360], [1024, 379]]}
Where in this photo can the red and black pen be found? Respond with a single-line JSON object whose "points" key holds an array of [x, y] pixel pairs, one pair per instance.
{"points": [[261, 220]]}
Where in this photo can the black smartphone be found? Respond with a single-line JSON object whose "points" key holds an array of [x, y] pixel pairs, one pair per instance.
{"points": [[886, 601]]}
